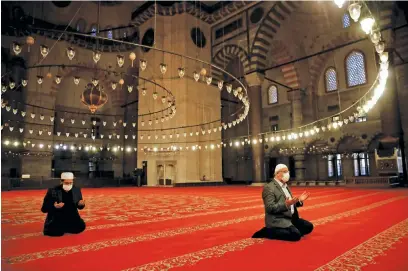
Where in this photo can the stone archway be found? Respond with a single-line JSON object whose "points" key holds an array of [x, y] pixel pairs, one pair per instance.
{"points": [[268, 28], [225, 55]]}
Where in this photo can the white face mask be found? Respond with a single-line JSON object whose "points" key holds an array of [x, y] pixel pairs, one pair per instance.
{"points": [[285, 177], [67, 187]]}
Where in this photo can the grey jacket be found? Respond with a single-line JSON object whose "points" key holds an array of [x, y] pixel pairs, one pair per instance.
{"points": [[277, 214]]}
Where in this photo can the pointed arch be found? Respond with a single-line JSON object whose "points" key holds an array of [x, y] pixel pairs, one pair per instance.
{"points": [[280, 54], [268, 28], [225, 55]]}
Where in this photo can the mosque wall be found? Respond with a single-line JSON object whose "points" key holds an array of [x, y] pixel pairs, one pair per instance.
{"points": [[309, 28], [196, 103], [66, 97], [316, 101]]}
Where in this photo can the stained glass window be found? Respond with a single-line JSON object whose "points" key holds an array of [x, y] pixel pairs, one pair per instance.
{"points": [[355, 69], [272, 94], [110, 34], [331, 79], [346, 20]]}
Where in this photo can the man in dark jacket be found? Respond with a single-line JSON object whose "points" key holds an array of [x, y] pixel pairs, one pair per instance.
{"points": [[61, 204], [282, 219]]}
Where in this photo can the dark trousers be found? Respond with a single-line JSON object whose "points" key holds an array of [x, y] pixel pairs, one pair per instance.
{"points": [[300, 228], [59, 228]]}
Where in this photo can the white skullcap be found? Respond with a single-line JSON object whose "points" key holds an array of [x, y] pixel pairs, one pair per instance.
{"points": [[67, 176], [279, 167]]}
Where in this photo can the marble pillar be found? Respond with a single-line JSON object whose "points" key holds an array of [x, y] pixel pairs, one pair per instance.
{"points": [[255, 81]]}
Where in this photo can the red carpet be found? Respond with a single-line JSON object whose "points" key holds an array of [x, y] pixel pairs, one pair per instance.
{"points": [[208, 229]]}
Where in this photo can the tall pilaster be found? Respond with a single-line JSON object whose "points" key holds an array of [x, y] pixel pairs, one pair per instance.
{"points": [[299, 166], [390, 106], [390, 116], [255, 81], [297, 119], [297, 115]]}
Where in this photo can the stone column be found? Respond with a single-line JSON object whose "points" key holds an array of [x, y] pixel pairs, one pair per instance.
{"points": [[255, 81], [297, 119]]}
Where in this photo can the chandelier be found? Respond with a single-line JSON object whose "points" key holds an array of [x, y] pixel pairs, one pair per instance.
{"points": [[93, 97], [149, 79]]}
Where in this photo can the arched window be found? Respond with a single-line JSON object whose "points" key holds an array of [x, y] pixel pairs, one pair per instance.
{"points": [[361, 164], [346, 20], [272, 94], [93, 30], [355, 69], [330, 77], [80, 26]]}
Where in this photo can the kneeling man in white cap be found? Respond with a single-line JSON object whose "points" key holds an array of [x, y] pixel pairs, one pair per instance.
{"points": [[282, 221], [61, 204]]}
